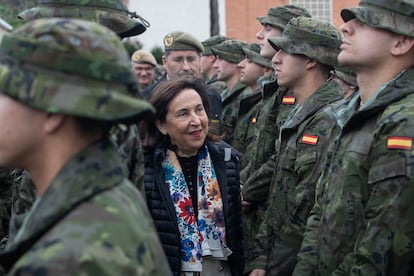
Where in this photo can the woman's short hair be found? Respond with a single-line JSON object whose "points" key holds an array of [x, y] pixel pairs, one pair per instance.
{"points": [[161, 97]]}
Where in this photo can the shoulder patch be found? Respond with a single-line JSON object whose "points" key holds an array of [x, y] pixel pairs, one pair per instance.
{"points": [[288, 100], [399, 142], [309, 139]]}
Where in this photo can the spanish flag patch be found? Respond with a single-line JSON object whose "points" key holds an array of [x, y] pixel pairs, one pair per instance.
{"points": [[399, 142], [288, 100], [309, 139]]}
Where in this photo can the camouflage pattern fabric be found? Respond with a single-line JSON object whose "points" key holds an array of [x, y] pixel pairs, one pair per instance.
{"points": [[230, 50], [395, 16], [362, 221], [279, 16], [230, 109], [302, 141], [268, 88], [313, 38], [112, 14], [90, 75], [99, 224], [243, 134], [258, 173]]}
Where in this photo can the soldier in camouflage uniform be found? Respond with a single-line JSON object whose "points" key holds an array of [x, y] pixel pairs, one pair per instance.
{"points": [[229, 53], [116, 17], [308, 52], [362, 222], [207, 61], [88, 218], [273, 110], [252, 67]]}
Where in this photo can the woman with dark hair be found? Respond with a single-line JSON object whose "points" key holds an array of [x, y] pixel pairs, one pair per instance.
{"points": [[192, 184]]}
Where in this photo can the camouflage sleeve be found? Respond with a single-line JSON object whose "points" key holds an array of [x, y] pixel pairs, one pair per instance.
{"points": [[256, 187], [257, 257], [386, 241], [129, 148], [307, 257]]}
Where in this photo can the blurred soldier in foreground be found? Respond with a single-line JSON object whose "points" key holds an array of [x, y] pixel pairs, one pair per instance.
{"points": [[56, 126], [115, 16]]}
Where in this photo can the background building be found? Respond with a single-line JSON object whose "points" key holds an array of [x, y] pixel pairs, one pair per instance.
{"points": [[237, 18]]}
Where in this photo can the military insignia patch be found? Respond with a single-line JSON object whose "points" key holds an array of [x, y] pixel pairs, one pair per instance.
{"points": [[288, 100], [309, 139], [168, 41], [399, 142]]}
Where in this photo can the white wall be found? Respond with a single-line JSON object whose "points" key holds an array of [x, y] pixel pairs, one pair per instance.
{"points": [[192, 16]]}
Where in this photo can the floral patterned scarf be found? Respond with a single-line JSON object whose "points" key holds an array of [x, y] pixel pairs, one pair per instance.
{"points": [[204, 235]]}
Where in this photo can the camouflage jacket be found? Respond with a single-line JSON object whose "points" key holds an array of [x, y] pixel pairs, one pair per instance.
{"points": [[257, 175], [89, 221], [244, 131], [302, 143], [231, 106], [128, 144], [362, 222]]}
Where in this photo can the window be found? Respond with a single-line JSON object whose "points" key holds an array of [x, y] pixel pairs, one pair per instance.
{"points": [[320, 9]]}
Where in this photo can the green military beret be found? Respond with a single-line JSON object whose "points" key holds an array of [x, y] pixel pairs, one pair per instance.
{"points": [[230, 50], [70, 66], [393, 15], [280, 16], [252, 52], [211, 42], [112, 14], [311, 37], [176, 41]]}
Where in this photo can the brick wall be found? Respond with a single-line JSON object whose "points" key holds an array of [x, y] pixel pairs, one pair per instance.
{"points": [[241, 15]]}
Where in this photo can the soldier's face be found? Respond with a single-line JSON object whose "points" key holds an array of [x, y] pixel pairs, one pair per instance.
{"points": [[22, 129], [226, 70], [186, 122], [144, 72], [267, 31], [182, 64], [364, 46], [250, 72], [206, 65], [289, 69]]}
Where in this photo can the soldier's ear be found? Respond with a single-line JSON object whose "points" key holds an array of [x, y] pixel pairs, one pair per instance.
{"points": [[310, 63], [402, 44], [53, 122]]}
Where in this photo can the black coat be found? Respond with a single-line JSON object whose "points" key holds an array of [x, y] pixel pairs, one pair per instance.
{"points": [[162, 209]]}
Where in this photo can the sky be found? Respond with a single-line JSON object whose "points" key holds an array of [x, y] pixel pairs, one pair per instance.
{"points": [[192, 16]]}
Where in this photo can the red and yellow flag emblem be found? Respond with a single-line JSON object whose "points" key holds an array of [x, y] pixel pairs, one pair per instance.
{"points": [[399, 142], [288, 100], [309, 139]]}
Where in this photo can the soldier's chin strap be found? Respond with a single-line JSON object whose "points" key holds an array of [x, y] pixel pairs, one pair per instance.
{"points": [[140, 18]]}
